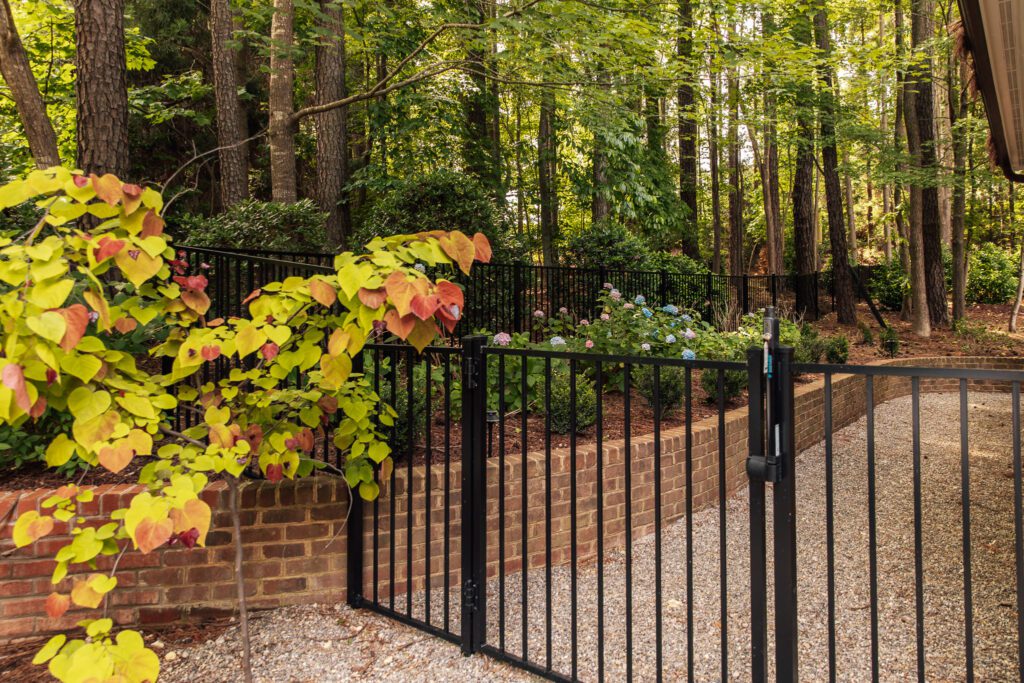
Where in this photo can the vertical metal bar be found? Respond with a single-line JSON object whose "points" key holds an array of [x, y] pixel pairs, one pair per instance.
{"points": [[599, 437], [410, 488], [393, 357], [872, 526], [474, 494], [723, 555], [354, 532], [501, 501], [658, 662], [447, 489], [547, 513], [784, 507], [1018, 518], [628, 467], [758, 541], [915, 390], [965, 492], [572, 517], [524, 489], [376, 501], [689, 524], [428, 457], [830, 531]]}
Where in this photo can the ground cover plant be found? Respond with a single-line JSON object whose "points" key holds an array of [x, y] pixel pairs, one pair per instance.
{"points": [[98, 264]]}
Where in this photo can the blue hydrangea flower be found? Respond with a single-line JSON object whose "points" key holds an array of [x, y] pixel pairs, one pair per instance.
{"points": [[671, 339], [688, 354], [557, 341], [648, 313], [639, 300], [687, 319], [670, 309]]}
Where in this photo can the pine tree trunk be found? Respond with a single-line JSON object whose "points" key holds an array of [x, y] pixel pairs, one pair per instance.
{"points": [[736, 265], [101, 87], [17, 73], [478, 139], [232, 152], [332, 164], [600, 207], [547, 165], [281, 102], [687, 130], [803, 186], [842, 274], [716, 192], [957, 112]]}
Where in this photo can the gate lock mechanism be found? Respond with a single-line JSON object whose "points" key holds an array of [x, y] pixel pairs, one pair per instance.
{"points": [[768, 468]]}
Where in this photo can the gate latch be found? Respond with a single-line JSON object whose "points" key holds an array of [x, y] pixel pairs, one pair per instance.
{"points": [[768, 469]]}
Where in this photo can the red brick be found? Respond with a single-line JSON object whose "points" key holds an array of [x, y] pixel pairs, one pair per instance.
{"points": [[277, 586], [284, 550]]}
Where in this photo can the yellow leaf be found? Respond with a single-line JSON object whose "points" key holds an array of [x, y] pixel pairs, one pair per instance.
{"points": [[49, 325], [194, 514], [90, 432], [89, 592], [85, 404], [137, 265], [50, 294], [52, 647], [30, 527], [59, 451], [151, 534], [248, 339], [133, 660], [336, 369], [82, 366]]}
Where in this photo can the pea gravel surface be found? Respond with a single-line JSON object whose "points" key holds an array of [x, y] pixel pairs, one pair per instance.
{"points": [[337, 644]]}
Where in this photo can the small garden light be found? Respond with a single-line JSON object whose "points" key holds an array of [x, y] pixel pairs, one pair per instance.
{"points": [[492, 419]]}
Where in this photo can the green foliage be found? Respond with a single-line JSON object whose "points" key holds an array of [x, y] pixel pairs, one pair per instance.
{"points": [[563, 410], [26, 444], [677, 264], [608, 244], [259, 225], [867, 336], [440, 200], [837, 349], [889, 285], [671, 386], [733, 383], [992, 275], [810, 348], [889, 341]]}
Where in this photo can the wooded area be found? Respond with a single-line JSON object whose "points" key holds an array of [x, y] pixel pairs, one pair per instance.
{"points": [[765, 136]]}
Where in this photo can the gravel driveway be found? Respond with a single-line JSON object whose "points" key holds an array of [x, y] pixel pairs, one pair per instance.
{"points": [[337, 644]]}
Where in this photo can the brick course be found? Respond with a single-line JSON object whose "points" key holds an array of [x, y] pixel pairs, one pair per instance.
{"points": [[294, 553]]}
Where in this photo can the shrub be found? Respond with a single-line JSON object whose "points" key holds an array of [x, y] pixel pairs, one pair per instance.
{"points": [[252, 224], [889, 285], [992, 278], [889, 341], [442, 200], [810, 348], [562, 408], [733, 383], [671, 386], [606, 243], [837, 349], [866, 335], [26, 444], [676, 264]]}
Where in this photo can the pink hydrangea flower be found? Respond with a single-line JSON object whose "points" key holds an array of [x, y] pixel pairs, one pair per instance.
{"points": [[615, 295], [503, 339], [609, 285], [584, 322], [628, 306], [645, 346], [605, 316], [589, 344], [563, 310], [538, 313], [689, 334]]}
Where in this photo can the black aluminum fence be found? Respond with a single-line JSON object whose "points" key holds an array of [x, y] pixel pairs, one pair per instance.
{"points": [[503, 297], [590, 517]]}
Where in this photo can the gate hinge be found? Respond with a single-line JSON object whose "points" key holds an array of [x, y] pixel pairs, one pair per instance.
{"points": [[760, 467], [471, 380], [470, 595]]}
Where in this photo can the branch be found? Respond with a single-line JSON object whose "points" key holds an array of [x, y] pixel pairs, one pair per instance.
{"points": [[208, 152], [178, 435]]}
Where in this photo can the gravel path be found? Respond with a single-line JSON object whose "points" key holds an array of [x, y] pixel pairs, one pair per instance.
{"points": [[337, 644]]}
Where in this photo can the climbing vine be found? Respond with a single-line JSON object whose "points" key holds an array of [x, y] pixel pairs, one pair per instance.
{"points": [[97, 265]]}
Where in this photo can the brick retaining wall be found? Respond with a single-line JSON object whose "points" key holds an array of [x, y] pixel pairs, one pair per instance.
{"points": [[288, 528]]}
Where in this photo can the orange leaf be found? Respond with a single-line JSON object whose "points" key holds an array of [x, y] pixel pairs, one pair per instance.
{"points": [[152, 224], [423, 307], [269, 351], [483, 247], [373, 298], [98, 304], [132, 197], [57, 605], [108, 188], [150, 534], [275, 472], [398, 325], [211, 352], [460, 248], [125, 325], [422, 334], [116, 458], [84, 595], [14, 379], [401, 291], [252, 295], [77, 318], [195, 514], [323, 292], [38, 408], [196, 300], [449, 293], [107, 248]]}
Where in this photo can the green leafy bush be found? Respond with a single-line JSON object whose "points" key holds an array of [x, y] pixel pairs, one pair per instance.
{"points": [[992, 277], [562, 408], [442, 200], [676, 264], [810, 348], [671, 386], [26, 444], [889, 285], [606, 243], [866, 335], [734, 382], [889, 341], [837, 349], [251, 224]]}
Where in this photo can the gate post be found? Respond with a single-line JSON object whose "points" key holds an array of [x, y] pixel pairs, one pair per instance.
{"points": [[758, 544], [354, 531], [474, 499], [746, 293], [782, 442]]}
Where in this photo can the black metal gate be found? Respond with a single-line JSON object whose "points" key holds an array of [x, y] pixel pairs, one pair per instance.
{"points": [[669, 540]]}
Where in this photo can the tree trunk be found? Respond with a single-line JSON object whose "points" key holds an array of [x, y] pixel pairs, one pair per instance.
{"points": [[716, 192], [101, 87], [232, 152], [332, 167], [600, 207], [547, 169], [687, 130], [923, 99], [803, 186], [736, 265], [281, 102], [477, 142], [912, 92], [851, 223], [17, 73], [842, 274], [1020, 276], [958, 111]]}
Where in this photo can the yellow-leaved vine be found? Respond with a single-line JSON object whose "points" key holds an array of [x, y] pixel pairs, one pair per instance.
{"points": [[97, 265]]}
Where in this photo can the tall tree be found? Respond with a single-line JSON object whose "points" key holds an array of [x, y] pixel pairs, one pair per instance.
{"points": [[714, 152], [957, 105], [332, 161], [17, 73], [803, 181], [232, 150], [482, 156], [736, 264], [547, 175], [281, 104], [687, 128], [774, 227], [842, 275], [920, 76], [101, 87]]}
